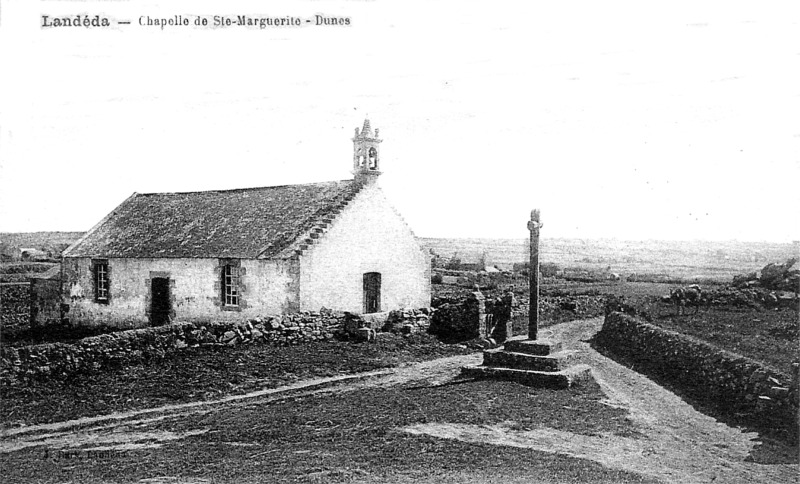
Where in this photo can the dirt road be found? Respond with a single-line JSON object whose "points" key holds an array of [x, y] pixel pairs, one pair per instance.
{"points": [[678, 444]]}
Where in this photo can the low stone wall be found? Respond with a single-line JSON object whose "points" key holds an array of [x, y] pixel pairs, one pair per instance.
{"points": [[462, 320], [15, 306], [132, 346], [407, 321], [45, 301], [725, 380], [557, 309], [583, 305]]}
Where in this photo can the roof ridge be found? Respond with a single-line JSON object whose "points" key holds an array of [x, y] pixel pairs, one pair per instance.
{"points": [[245, 189]]}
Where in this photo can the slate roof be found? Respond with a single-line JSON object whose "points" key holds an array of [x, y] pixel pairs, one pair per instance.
{"points": [[245, 223]]}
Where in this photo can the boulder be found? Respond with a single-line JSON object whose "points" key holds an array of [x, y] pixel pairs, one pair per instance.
{"points": [[773, 275], [227, 337]]}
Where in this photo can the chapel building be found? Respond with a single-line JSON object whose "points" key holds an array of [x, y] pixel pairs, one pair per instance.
{"points": [[239, 254]]}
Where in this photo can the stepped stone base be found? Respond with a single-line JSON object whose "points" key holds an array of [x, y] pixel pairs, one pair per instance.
{"points": [[510, 359], [539, 347], [539, 363], [572, 376]]}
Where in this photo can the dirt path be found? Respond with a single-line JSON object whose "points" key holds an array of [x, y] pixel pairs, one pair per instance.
{"points": [[122, 430], [679, 444]]}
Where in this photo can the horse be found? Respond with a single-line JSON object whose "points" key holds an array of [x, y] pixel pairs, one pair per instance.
{"points": [[683, 296]]}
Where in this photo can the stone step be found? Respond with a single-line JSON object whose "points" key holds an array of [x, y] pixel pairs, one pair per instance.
{"points": [[523, 361], [539, 347], [572, 376]]}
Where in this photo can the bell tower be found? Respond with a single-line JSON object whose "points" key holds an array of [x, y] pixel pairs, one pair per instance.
{"points": [[366, 154]]}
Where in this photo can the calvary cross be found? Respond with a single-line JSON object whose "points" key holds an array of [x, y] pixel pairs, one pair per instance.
{"points": [[533, 313]]}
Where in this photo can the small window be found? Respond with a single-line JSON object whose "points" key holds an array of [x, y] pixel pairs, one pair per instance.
{"points": [[230, 285], [373, 158], [101, 284]]}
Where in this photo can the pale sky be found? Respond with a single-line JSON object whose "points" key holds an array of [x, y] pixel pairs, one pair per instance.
{"points": [[633, 120]]}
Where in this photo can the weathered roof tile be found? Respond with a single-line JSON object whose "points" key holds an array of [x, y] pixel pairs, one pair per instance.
{"points": [[245, 223]]}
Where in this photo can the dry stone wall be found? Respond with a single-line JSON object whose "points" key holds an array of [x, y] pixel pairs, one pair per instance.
{"points": [[461, 320], [407, 321], [128, 347], [15, 307], [722, 379]]}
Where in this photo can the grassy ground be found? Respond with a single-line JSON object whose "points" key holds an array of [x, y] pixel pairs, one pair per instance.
{"points": [[767, 335], [207, 372], [23, 271], [357, 436]]}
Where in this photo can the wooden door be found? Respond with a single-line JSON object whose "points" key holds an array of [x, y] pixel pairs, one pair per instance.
{"points": [[372, 292], [160, 304]]}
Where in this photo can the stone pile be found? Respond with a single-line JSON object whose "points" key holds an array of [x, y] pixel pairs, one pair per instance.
{"points": [[408, 321], [752, 297], [778, 277]]}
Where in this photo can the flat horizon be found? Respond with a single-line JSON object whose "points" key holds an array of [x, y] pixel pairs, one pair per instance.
{"points": [[516, 239]]}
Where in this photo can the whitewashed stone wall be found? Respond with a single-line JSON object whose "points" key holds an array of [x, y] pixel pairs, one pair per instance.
{"points": [[268, 287], [368, 236]]}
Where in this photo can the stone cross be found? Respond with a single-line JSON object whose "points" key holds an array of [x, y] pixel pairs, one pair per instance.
{"points": [[533, 314]]}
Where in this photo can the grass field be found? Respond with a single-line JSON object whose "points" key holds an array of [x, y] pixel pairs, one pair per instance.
{"points": [[766, 335], [682, 259]]}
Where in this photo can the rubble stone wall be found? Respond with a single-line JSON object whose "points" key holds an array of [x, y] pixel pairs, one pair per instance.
{"points": [[723, 379], [462, 320], [407, 321], [45, 301], [128, 347], [15, 307], [194, 290]]}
